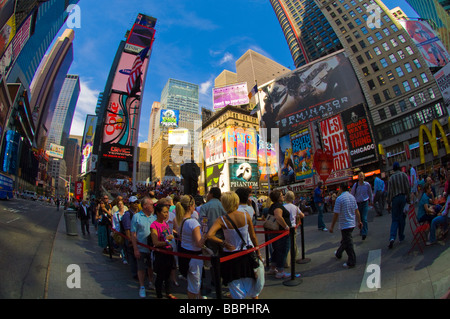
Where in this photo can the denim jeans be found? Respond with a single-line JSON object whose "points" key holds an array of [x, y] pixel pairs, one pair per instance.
{"points": [[347, 246], [436, 221], [398, 217], [320, 223], [363, 208]]}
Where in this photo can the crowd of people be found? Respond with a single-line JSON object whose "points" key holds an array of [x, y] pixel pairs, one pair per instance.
{"points": [[225, 224]]}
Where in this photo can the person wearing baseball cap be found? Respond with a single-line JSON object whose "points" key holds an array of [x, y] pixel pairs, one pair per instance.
{"points": [[133, 204]]}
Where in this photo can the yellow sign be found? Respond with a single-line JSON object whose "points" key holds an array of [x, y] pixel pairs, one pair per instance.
{"points": [[432, 138]]}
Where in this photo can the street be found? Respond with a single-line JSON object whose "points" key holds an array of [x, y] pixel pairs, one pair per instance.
{"points": [[27, 230]]}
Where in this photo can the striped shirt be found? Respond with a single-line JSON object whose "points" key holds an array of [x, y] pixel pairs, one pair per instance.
{"points": [[398, 184], [346, 206]]}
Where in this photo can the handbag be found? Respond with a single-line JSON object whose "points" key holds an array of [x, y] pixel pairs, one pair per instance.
{"points": [[118, 239], [271, 223], [252, 257]]}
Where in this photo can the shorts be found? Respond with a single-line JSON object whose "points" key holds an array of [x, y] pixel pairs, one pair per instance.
{"points": [[144, 262]]}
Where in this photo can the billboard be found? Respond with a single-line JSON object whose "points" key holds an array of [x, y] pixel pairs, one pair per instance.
{"points": [[89, 129], [243, 175], [432, 138], [217, 176], [361, 144], [236, 94], [241, 143], [443, 80], [427, 41], [5, 105], [121, 122], [333, 137], [302, 156], [140, 37], [169, 118], [7, 33], [123, 72], [215, 149], [55, 151], [315, 91], [119, 152], [178, 136], [267, 163], [286, 171]]}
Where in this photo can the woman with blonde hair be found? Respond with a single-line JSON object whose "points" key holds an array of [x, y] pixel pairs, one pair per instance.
{"points": [[237, 273], [190, 242]]}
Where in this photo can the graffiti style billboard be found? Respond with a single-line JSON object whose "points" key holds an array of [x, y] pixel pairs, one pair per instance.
{"points": [[320, 89], [302, 156], [122, 116], [333, 137], [427, 41], [243, 175], [361, 144], [236, 94]]}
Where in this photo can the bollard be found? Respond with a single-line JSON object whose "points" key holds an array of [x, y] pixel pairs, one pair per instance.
{"points": [[294, 281], [303, 260], [215, 263]]}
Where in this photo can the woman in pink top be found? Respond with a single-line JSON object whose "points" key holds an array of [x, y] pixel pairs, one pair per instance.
{"points": [[161, 238]]}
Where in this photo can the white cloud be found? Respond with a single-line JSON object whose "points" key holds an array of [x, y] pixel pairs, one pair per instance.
{"points": [[226, 58], [87, 102], [205, 87]]}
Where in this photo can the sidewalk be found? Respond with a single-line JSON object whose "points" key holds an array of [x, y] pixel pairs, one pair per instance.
{"points": [[403, 276]]}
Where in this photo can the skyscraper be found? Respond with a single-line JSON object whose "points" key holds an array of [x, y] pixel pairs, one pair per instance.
{"points": [[48, 84], [399, 88], [65, 108], [307, 31]]}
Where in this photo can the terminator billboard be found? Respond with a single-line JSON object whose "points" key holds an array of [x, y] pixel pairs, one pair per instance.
{"points": [[315, 91]]}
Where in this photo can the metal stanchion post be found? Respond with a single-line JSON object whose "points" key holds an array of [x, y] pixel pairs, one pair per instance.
{"points": [[215, 263], [303, 260], [108, 233], [295, 280], [266, 238]]}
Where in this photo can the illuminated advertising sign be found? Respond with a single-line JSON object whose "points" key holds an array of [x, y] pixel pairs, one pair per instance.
{"points": [[145, 20], [178, 136], [241, 143], [318, 90], [361, 144], [5, 105], [236, 94], [267, 163], [243, 175], [215, 149], [169, 118], [432, 138], [122, 116], [443, 80], [217, 176], [286, 172], [119, 152], [89, 129], [7, 33], [334, 140], [123, 72], [302, 156], [140, 37], [55, 151], [427, 41]]}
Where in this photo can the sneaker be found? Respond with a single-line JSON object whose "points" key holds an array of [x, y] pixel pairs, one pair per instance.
{"points": [[151, 286], [391, 244], [324, 229], [125, 262], [335, 255], [282, 275], [429, 243], [272, 272], [142, 293], [345, 265]]}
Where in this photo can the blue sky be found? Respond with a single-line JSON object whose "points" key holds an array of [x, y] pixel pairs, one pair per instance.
{"points": [[195, 41]]}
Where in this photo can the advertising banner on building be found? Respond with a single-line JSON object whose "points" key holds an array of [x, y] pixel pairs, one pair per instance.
{"points": [[241, 143], [215, 149], [267, 163], [139, 37], [427, 41], [334, 139], [217, 176], [178, 136], [55, 151], [243, 175], [119, 152], [5, 106], [302, 156], [320, 89], [443, 80], [286, 173], [361, 145], [89, 129], [124, 70], [169, 118], [121, 122], [236, 94]]}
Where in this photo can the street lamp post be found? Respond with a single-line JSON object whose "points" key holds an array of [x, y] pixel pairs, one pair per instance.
{"points": [[67, 181]]}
